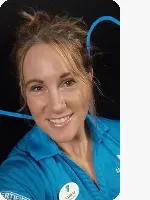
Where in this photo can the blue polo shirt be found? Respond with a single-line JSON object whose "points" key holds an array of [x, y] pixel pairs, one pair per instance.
{"points": [[36, 169]]}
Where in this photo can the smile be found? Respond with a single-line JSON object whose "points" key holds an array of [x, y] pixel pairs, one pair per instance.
{"points": [[61, 121]]}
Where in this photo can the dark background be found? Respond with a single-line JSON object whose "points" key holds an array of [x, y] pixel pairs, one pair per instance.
{"points": [[106, 36]]}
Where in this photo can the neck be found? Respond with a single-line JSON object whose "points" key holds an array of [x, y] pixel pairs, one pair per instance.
{"points": [[78, 147]]}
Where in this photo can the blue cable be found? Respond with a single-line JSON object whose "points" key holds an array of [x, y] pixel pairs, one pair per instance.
{"points": [[13, 114], [103, 18]]}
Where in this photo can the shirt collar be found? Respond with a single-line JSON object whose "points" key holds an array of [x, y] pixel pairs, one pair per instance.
{"points": [[40, 145], [96, 127]]}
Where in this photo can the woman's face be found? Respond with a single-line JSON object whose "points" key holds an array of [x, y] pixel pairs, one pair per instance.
{"points": [[57, 102]]}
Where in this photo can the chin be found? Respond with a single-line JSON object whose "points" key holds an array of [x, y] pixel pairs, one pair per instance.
{"points": [[63, 140]]}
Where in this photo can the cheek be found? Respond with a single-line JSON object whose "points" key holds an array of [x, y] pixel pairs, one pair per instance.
{"points": [[78, 100], [84, 95], [35, 104]]}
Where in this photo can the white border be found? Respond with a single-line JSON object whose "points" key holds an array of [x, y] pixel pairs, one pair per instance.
{"points": [[117, 1], [1, 2], [135, 100]]}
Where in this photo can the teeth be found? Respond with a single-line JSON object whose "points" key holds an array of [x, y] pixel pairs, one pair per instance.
{"points": [[61, 120]]}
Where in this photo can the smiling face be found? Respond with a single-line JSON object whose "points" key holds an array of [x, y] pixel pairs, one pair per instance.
{"points": [[58, 101]]}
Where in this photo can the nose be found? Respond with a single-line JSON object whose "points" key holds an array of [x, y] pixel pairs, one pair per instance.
{"points": [[56, 102]]}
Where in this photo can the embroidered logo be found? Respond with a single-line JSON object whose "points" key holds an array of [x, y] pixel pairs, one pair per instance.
{"points": [[118, 169], [12, 196]]}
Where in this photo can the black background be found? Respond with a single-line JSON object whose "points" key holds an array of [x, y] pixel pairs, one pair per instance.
{"points": [[106, 36]]}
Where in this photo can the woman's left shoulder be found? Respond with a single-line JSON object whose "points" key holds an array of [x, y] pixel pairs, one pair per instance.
{"points": [[113, 126]]}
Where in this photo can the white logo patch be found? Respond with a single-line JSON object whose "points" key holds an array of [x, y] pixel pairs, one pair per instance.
{"points": [[12, 196], [69, 191]]}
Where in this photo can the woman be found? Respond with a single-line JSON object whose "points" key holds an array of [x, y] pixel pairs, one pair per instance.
{"points": [[70, 153]]}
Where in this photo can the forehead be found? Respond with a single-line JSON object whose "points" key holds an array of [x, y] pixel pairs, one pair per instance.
{"points": [[42, 59]]}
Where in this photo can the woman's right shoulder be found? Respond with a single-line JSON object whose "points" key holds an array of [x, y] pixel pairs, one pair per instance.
{"points": [[20, 174]]}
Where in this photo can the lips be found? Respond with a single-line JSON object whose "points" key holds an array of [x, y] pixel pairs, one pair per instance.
{"points": [[60, 121]]}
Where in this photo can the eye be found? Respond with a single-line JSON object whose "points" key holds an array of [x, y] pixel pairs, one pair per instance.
{"points": [[36, 88], [69, 83]]}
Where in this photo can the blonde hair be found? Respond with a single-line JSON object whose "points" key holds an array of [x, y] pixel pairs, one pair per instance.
{"points": [[66, 34]]}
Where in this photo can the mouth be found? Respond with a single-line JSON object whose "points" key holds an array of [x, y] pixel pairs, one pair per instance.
{"points": [[61, 121]]}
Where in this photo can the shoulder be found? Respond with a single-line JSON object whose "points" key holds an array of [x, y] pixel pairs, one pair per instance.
{"points": [[21, 173], [109, 154], [113, 127], [20, 177]]}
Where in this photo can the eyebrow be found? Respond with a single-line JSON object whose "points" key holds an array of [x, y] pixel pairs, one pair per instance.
{"points": [[65, 75], [41, 81], [33, 80]]}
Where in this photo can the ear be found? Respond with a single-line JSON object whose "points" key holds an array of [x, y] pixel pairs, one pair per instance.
{"points": [[90, 74]]}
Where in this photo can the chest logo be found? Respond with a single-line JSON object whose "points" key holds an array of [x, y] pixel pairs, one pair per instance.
{"points": [[69, 191]]}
